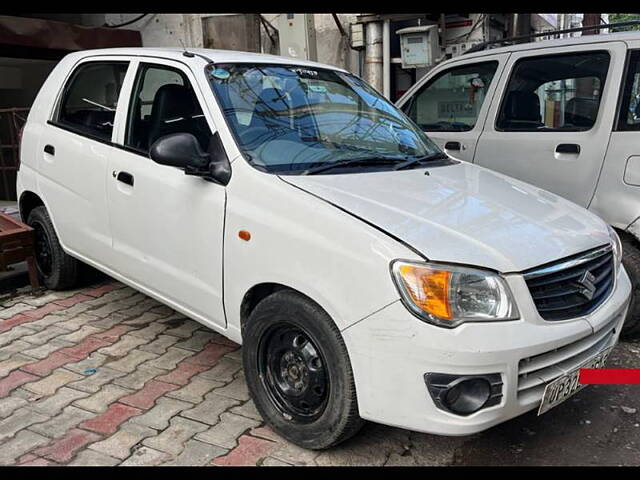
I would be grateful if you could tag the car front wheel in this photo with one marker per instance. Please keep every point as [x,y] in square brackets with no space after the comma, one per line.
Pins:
[298,372]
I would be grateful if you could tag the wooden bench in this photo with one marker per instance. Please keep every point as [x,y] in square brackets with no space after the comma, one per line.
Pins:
[17,244]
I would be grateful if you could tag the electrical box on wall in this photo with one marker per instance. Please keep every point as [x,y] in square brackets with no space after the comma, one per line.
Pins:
[297,34]
[357,35]
[419,46]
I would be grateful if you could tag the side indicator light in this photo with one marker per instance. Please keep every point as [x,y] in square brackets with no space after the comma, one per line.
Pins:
[244,235]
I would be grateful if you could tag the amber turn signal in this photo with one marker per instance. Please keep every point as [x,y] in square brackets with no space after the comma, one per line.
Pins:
[244,235]
[429,289]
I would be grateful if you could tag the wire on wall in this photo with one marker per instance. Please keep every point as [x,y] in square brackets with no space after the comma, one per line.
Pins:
[134,20]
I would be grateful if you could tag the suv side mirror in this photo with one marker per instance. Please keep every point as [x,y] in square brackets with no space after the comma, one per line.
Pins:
[182,150]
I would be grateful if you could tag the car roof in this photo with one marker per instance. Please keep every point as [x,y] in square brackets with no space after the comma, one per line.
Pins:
[560,42]
[216,56]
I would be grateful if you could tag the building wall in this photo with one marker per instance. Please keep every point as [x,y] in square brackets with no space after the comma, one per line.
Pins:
[333,48]
[175,30]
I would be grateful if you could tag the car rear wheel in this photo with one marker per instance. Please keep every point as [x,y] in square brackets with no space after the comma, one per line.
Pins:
[298,372]
[56,269]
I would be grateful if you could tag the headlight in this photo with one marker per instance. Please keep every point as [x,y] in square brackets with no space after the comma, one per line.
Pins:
[448,295]
[616,244]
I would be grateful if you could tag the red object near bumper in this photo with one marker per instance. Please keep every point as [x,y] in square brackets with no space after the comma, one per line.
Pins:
[610,376]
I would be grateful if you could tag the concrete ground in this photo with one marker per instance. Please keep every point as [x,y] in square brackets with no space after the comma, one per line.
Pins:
[104,375]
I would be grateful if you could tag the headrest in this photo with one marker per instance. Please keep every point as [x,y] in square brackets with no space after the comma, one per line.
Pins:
[173,101]
[524,106]
[581,112]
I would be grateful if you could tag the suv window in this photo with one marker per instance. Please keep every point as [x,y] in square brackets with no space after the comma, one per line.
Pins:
[451,101]
[90,98]
[630,106]
[554,92]
[163,102]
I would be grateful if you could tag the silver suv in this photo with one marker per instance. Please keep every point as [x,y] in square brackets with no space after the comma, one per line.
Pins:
[563,115]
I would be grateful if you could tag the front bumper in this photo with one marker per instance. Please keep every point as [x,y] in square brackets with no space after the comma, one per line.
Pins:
[391,350]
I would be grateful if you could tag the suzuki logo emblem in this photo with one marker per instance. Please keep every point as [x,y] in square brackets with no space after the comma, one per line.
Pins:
[587,287]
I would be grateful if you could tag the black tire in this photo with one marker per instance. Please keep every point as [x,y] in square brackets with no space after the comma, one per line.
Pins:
[335,418]
[631,262]
[56,269]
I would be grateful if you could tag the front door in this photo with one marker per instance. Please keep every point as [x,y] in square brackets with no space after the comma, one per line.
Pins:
[551,125]
[167,227]
[450,104]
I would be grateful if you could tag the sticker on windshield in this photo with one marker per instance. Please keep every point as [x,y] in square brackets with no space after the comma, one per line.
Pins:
[318,88]
[221,73]
[304,72]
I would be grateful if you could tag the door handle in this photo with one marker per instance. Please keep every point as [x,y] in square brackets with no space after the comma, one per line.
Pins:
[568,148]
[50,149]
[452,146]
[125,177]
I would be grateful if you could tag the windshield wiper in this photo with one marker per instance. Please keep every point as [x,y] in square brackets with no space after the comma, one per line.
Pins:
[352,162]
[421,160]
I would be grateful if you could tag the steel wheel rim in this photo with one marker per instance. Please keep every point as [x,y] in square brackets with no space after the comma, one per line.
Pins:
[293,372]
[42,250]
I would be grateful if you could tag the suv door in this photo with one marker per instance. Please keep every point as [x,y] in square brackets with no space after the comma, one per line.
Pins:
[75,148]
[616,197]
[167,227]
[450,104]
[550,126]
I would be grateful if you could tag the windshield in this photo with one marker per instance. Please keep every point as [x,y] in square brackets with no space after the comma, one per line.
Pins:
[288,119]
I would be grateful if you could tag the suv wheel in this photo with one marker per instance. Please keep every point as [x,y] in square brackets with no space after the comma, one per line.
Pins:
[56,269]
[631,262]
[298,372]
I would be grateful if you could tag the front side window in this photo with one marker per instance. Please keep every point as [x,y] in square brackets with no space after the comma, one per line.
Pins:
[288,118]
[451,101]
[163,102]
[90,98]
[630,101]
[554,93]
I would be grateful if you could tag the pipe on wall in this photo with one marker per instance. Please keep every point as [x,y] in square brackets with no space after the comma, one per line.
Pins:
[386,59]
[373,55]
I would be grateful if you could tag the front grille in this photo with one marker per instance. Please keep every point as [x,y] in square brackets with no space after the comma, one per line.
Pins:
[535,372]
[573,286]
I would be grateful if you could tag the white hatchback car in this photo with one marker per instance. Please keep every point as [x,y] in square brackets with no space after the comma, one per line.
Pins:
[289,206]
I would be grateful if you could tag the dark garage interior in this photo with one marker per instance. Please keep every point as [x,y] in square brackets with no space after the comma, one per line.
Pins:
[29,49]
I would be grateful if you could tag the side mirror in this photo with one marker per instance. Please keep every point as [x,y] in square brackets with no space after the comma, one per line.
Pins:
[182,150]
[178,150]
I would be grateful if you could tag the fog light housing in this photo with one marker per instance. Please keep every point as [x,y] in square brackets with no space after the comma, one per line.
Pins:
[464,394]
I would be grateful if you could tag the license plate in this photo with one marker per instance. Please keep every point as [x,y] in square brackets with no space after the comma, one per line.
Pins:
[564,387]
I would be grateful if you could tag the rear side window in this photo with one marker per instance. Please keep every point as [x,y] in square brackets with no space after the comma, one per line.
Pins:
[554,93]
[90,98]
[630,98]
[451,101]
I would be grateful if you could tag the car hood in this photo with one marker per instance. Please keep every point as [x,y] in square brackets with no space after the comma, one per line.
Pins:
[465,214]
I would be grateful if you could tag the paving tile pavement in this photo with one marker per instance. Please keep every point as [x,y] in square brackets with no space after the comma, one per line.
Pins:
[104,375]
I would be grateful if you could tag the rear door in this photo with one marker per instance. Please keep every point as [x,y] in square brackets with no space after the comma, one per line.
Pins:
[450,104]
[75,148]
[617,197]
[550,126]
